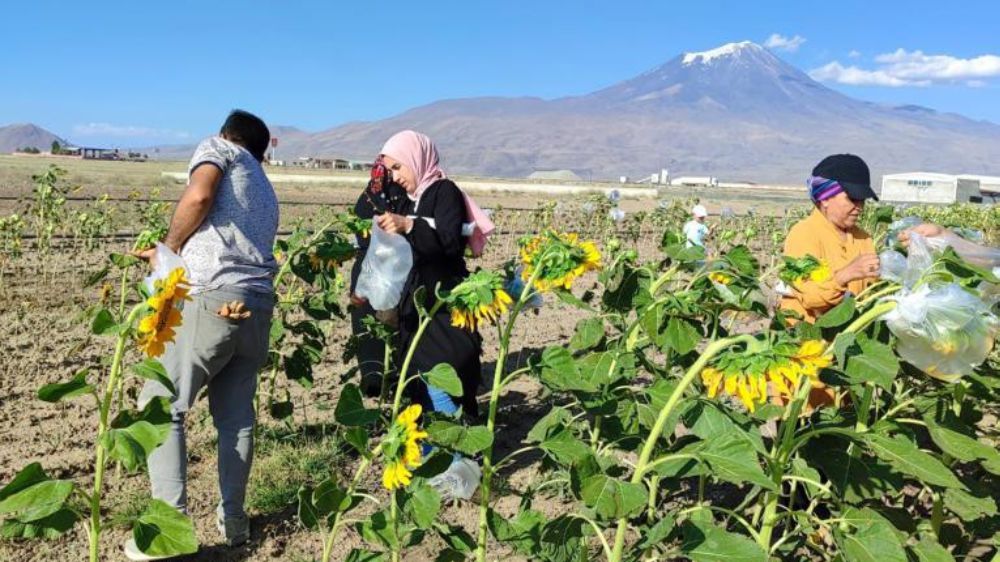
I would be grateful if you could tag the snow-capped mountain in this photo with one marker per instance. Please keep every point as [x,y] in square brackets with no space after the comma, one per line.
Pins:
[736,111]
[734,78]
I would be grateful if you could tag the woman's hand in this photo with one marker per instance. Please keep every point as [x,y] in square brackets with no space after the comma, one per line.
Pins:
[927,230]
[865,266]
[394,224]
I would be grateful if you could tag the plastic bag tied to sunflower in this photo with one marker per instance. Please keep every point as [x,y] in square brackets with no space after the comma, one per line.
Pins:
[945,331]
[940,328]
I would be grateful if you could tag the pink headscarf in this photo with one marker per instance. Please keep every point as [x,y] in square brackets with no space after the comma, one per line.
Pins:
[417,152]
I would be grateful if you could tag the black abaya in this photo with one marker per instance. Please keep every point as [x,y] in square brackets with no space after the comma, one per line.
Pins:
[438,264]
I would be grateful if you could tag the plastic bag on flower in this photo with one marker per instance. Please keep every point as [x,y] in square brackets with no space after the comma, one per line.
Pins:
[970,251]
[897,227]
[908,269]
[945,332]
[384,270]
[892,266]
[166,261]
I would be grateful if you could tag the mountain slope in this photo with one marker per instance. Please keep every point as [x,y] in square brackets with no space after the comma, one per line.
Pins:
[735,112]
[22,135]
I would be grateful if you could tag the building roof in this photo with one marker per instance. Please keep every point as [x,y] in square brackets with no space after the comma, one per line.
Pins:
[920,175]
[982,179]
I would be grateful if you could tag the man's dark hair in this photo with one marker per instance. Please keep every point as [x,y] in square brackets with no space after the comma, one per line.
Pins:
[247,130]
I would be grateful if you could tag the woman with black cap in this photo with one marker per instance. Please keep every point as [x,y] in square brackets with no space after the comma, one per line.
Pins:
[839,186]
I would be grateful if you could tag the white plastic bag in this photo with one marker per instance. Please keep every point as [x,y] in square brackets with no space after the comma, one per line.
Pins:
[166,261]
[892,266]
[897,228]
[907,270]
[945,332]
[384,270]
[970,251]
[459,481]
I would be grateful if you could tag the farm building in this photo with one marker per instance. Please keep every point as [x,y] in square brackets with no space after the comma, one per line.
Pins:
[694,181]
[92,153]
[986,183]
[927,187]
[316,163]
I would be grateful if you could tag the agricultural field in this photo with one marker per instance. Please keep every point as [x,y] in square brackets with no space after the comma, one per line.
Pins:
[653,407]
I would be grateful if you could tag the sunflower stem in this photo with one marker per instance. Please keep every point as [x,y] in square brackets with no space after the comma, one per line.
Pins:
[405,368]
[498,383]
[100,462]
[642,466]
[366,460]
[123,290]
[397,398]
[779,461]
[393,522]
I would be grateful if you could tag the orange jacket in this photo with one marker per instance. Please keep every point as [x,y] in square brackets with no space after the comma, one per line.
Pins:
[817,236]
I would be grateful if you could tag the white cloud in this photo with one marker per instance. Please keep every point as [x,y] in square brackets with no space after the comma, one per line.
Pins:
[126,131]
[913,68]
[854,53]
[917,65]
[854,76]
[782,43]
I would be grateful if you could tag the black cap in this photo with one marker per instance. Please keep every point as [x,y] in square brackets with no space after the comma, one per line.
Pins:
[851,173]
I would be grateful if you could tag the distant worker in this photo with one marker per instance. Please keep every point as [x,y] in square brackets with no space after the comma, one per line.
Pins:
[839,186]
[695,230]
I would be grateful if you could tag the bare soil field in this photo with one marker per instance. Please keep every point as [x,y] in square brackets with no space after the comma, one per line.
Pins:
[46,341]
[120,180]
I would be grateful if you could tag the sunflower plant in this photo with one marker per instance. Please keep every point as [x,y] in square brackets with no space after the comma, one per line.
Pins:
[309,285]
[38,506]
[623,448]
[393,436]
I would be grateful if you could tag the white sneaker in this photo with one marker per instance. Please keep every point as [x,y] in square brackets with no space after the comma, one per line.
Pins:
[234,531]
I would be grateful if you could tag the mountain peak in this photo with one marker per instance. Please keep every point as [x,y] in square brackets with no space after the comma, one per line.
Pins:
[22,135]
[728,49]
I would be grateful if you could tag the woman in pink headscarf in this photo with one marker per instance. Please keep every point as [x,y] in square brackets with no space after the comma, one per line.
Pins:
[432,219]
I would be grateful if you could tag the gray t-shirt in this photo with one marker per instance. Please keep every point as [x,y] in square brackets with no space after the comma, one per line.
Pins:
[234,245]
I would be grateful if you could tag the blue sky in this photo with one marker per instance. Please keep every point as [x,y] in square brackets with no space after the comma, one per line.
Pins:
[139,73]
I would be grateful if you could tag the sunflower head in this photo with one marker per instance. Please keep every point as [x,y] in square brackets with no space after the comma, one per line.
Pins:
[156,329]
[480,298]
[556,259]
[772,370]
[808,267]
[720,277]
[821,273]
[402,448]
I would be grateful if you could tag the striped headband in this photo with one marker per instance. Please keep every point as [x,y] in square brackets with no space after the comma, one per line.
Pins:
[821,188]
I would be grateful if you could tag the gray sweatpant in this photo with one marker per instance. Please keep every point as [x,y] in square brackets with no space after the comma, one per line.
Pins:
[224,355]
